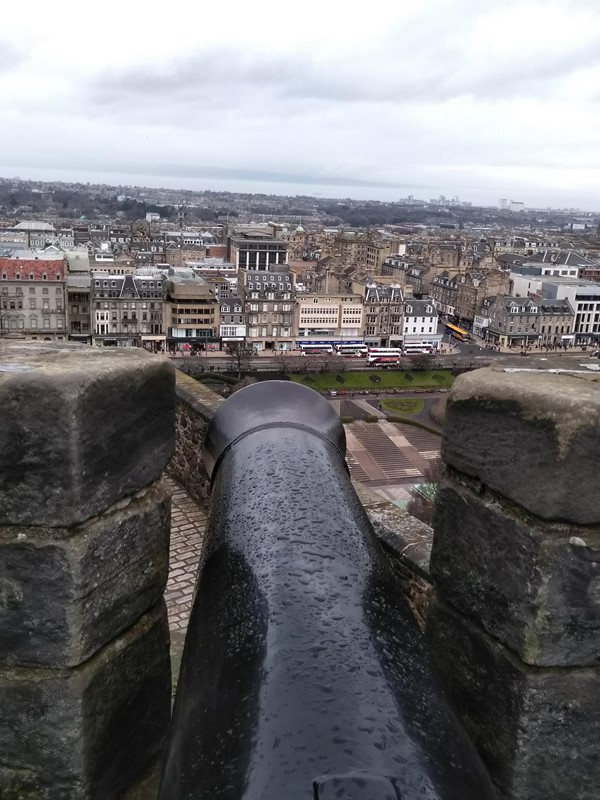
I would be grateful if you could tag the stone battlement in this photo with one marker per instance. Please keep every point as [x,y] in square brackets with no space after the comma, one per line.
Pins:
[507,592]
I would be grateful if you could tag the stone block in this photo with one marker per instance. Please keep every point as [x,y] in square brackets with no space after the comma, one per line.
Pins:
[81,429]
[65,593]
[532,437]
[536,729]
[89,733]
[534,586]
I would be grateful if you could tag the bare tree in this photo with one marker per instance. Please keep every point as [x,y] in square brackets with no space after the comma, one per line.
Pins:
[422,501]
[238,357]
[422,361]
[286,362]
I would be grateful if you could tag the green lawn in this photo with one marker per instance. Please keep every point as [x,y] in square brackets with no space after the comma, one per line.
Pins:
[406,405]
[380,379]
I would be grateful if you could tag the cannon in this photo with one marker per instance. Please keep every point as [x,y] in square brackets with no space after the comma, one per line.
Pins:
[304,675]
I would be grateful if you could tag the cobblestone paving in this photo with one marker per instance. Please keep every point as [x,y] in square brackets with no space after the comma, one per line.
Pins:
[188,523]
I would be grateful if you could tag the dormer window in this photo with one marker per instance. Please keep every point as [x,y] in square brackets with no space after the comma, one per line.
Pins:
[18,276]
[409,309]
[31,277]
[4,276]
[97,284]
[57,276]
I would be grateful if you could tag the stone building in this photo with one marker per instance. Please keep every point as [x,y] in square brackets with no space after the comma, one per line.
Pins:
[78,307]
[459,298]
[409,273]
[33,299]
[333,319]
[383,314]
[473,287]
[421,324]
[191,311]
[256,251]
[268,296]
[523,321]
[233,326]
[444,293]
[128,310]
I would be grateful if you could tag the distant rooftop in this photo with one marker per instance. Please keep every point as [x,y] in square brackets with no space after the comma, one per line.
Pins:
[34,225]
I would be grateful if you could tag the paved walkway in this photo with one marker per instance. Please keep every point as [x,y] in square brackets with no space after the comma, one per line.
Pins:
[390,457]
[188,523]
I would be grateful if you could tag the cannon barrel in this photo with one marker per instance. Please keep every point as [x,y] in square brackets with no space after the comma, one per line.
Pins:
[304,675]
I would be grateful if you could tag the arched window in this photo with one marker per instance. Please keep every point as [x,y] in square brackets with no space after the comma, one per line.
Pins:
[18,276]
[45,276]
[58,277]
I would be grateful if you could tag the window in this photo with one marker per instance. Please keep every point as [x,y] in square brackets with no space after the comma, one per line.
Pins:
[58,276]
[31,290]
[45,276]
[31,276]
[18,276]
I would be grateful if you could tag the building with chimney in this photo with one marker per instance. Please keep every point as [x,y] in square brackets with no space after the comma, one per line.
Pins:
[128,310]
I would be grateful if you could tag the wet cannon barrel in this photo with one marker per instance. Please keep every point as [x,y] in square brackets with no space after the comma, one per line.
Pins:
[304,675]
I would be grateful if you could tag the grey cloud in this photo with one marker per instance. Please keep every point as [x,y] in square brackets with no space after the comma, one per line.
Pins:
[418,68]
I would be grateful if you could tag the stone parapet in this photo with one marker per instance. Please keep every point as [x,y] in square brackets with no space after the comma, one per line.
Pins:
[81,429]
[92,731]
[534,437]
[537,729]
[515,625]
[195,407]
[69,591]
[84,545]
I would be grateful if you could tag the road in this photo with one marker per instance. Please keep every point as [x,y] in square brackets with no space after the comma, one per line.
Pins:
[467,355]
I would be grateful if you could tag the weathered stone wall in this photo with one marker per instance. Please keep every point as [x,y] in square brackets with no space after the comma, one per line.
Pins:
[84,547]
[515,625]
[195,406]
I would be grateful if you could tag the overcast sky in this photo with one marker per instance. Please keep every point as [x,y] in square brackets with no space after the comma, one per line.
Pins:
[478,98]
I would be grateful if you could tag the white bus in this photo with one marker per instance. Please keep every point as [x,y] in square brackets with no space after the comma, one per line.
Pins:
[351,350]
[308,349]
[413,349]
[384,355]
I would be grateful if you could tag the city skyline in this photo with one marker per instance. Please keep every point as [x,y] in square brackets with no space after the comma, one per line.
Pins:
[481,100]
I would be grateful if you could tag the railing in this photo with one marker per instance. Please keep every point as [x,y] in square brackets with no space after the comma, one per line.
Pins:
[304,676]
